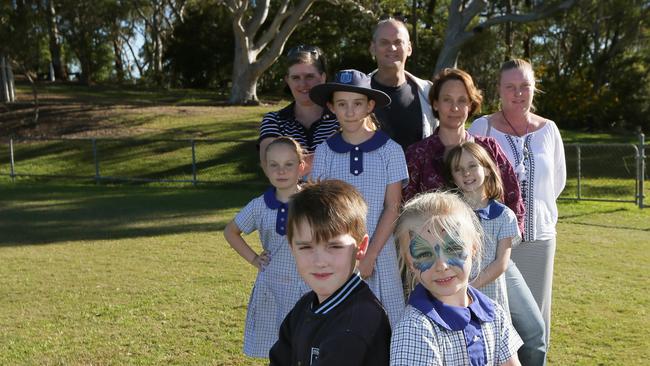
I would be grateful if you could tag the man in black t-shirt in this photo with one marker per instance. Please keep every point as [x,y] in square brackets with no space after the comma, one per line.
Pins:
[409,118]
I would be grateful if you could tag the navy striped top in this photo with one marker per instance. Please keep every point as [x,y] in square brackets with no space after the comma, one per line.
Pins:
[283,123]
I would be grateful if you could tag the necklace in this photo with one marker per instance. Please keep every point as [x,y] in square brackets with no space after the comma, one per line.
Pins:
[513,127]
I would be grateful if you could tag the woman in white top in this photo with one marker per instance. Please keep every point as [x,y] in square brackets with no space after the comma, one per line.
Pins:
[534,147]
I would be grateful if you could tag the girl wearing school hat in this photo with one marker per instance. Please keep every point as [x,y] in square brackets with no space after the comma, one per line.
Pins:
[369,160]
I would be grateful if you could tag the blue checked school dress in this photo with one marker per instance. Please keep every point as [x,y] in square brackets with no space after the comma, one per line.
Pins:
[432,333]
[278,287]
[370,167]
[498,222]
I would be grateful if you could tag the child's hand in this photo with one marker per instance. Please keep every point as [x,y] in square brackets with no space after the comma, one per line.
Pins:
[366,267]
[261,260]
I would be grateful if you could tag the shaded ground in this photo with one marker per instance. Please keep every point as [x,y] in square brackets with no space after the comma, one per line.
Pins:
[70,110]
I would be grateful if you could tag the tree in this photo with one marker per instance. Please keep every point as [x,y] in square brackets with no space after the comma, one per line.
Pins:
[259,40]
[86,26]
[159,18]
[460,28]
[60,70]
[199,52]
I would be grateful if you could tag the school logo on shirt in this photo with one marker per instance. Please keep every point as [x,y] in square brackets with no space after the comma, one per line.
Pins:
[314,356]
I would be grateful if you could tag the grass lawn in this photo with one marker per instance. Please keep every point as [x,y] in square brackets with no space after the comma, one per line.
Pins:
[142,275]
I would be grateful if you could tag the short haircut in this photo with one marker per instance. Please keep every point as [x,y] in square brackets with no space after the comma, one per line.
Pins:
[287,141]
[439,212]
[493,185]
[331,208]
[397,22]
[446,74]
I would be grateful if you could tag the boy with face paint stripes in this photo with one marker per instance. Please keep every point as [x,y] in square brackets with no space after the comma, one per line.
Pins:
[447,322]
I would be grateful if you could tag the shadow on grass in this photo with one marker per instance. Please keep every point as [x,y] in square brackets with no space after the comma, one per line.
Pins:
[607,226]
[592,213]
[51,214]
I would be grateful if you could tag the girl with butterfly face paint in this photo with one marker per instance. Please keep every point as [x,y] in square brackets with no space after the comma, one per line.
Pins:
[447,321]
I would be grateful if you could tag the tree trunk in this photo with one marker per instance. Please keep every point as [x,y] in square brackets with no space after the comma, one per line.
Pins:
[244,78]
[119,64]
[244,90]
[55,47]
[7,93]
[255,52]
[448,56]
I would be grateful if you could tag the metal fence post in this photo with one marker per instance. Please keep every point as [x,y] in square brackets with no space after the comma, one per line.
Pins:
[193,162]
[11,156]
[641,168]
[96,160]
[578,158]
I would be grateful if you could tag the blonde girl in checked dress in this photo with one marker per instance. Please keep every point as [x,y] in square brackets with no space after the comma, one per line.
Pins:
[447,322]
[277,286]
[375,165]
[474,173]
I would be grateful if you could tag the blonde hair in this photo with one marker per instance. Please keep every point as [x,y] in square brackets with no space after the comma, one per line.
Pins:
[493,185]
[331,208]
[286,141]
[442,213]
[523,65]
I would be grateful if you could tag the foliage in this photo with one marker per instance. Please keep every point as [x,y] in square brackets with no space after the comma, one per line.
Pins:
[595,66]
[86,26]
[199,53]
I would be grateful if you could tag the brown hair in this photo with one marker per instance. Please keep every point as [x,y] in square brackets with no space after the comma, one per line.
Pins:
[287,141]
[493,185]
[331,208]
[310,55]
[475,96]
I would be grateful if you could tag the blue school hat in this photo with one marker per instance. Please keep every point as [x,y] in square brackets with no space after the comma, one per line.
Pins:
[351,81]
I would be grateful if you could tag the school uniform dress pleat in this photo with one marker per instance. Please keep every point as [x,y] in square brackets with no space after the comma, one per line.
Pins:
[279,286]
[370,166]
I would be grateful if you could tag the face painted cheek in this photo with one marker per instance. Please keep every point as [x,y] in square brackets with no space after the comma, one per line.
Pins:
[457,261]
[455,252]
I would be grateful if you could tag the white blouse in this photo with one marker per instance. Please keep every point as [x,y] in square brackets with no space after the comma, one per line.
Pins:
[538,160]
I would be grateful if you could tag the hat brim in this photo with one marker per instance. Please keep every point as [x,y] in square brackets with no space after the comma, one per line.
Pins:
[322,93]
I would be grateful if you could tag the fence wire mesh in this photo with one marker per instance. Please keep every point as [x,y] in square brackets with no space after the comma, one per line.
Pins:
[594,171]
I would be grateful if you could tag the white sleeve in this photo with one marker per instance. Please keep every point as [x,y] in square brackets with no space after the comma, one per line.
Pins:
[559,178]
[479,126]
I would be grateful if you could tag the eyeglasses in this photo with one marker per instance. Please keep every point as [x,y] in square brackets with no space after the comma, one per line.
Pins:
[301,48]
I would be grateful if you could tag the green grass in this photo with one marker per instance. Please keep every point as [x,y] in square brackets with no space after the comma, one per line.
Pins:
[142,275]
[120,275]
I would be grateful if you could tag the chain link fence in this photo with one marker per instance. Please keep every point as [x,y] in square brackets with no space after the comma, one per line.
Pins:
[166,161]
[600,172]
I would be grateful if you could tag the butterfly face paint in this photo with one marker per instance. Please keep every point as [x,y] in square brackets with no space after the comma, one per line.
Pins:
[425,254]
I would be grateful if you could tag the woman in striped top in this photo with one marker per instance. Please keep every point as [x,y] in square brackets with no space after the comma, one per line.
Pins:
[303,120]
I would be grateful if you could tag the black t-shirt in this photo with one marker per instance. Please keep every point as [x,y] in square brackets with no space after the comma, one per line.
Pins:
[402,119]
